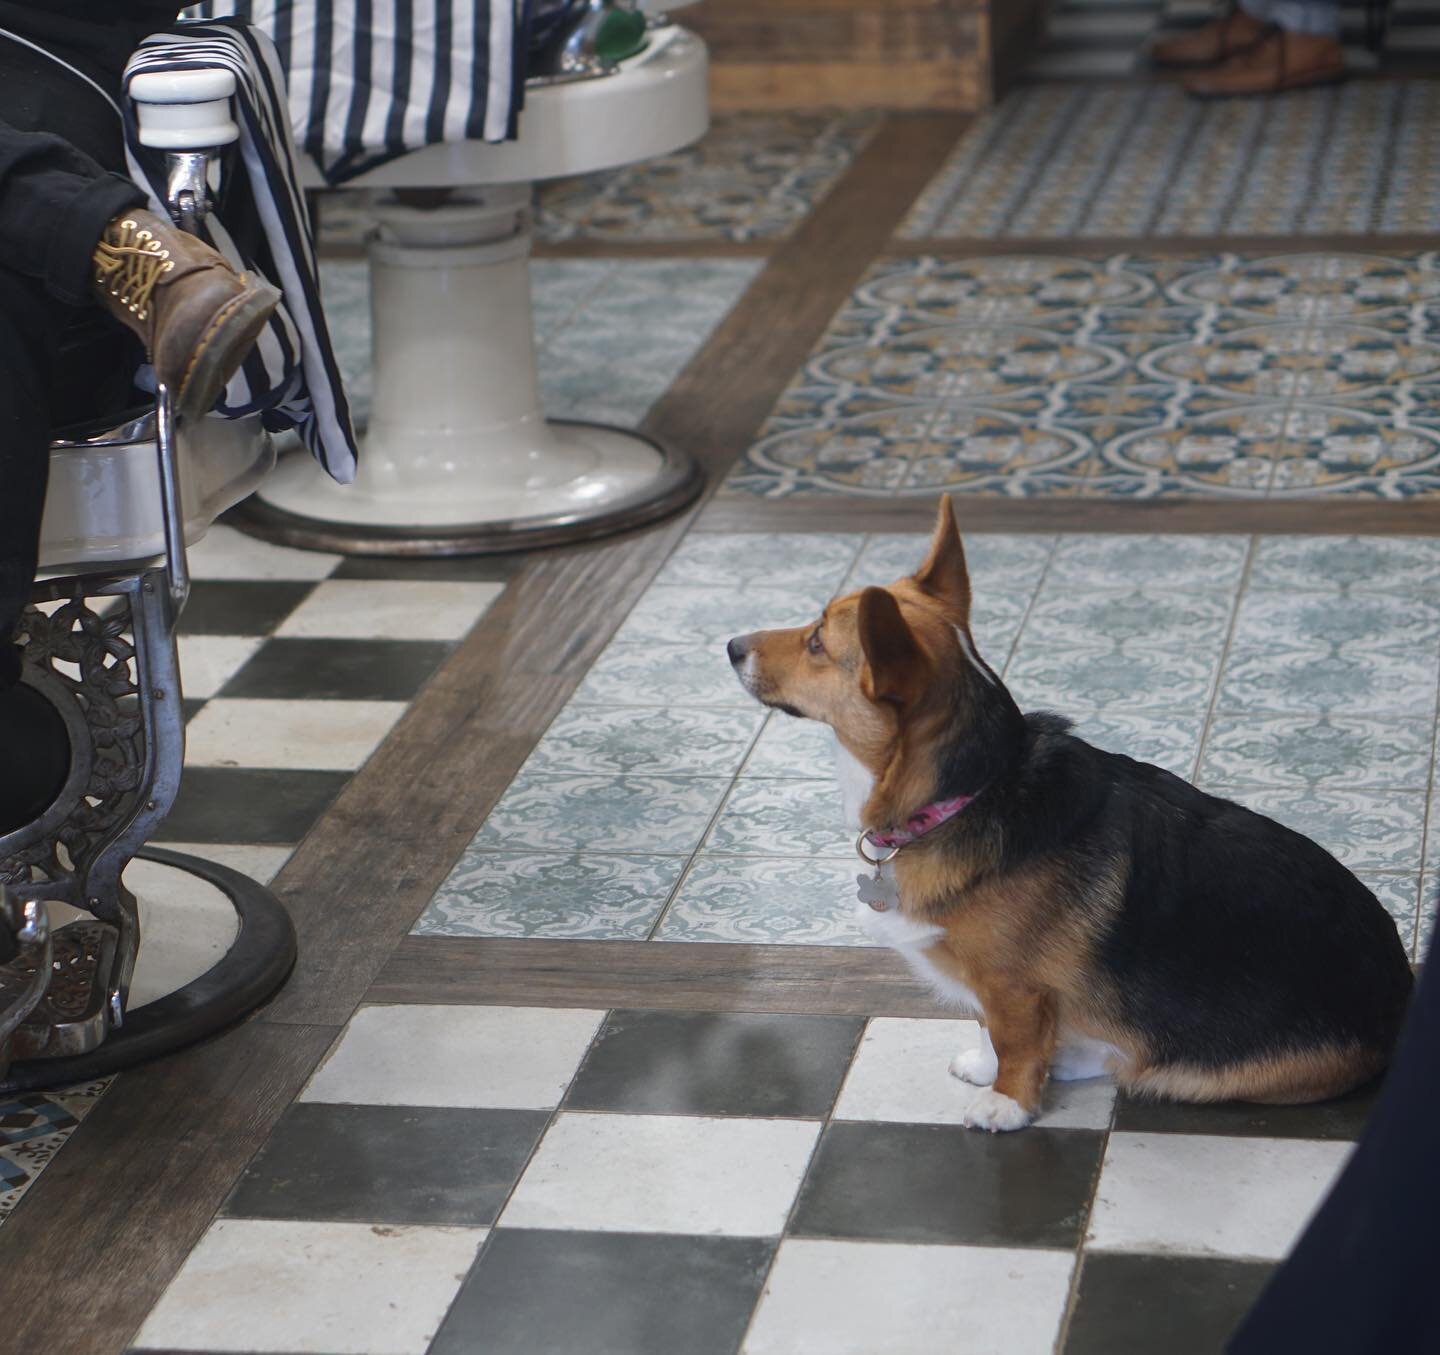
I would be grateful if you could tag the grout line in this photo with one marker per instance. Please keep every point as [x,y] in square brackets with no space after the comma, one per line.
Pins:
[1251,549]
[1414,946]
[684,876]
[1030,606]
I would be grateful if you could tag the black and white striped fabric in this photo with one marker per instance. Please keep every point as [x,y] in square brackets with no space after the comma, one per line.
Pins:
[371,80]
[259,222]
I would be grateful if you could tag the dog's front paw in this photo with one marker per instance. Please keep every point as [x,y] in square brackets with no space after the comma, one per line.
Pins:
[996,1112]
[976,1066]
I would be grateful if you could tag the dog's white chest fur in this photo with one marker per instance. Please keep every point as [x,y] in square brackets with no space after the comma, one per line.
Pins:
[892,928]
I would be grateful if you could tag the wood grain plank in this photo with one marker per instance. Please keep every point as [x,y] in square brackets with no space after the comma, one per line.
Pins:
[679,975]
[1151,246]
[603,248]
[94,1242]
[357,883]
[1321,517]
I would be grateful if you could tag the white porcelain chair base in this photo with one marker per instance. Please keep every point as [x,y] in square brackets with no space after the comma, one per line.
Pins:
[458,457]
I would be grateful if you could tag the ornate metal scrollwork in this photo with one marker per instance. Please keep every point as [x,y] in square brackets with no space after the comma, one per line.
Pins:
[105,659]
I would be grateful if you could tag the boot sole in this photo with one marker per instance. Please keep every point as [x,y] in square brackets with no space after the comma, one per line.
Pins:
[231,336]
[1288,86]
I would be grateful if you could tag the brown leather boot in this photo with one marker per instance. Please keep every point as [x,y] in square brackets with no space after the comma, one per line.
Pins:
[1212,42]
[197,316]
[1282,61]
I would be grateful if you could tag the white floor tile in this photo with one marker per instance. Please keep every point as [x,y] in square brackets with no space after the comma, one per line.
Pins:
[186,926]
[390,609]
[261,864]
[505,1057]
[290,735]
[1208,1195]
[902,1072]
[341,1288]
[874,1298]
[664,1174]
[228,554]
[208,662]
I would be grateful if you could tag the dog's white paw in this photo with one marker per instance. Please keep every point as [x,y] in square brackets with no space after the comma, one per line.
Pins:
[976,1066]
[1075,1062]
[996,1112]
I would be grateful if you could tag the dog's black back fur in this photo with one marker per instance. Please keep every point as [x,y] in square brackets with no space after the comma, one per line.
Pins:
[1236,936]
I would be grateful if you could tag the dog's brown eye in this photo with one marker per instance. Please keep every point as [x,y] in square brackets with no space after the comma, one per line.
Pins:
[814,644]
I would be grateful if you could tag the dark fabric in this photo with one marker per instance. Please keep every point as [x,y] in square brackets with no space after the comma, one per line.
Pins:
[95,35]
[56,195]
[1361,1279]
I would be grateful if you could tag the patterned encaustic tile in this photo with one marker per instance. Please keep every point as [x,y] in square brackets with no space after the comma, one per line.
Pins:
[33,1128]
[1297,675]
[1076,161]
[753,176]
[1289,376]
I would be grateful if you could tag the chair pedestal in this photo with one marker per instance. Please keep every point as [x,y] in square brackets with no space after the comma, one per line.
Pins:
[105,979]
[458,458]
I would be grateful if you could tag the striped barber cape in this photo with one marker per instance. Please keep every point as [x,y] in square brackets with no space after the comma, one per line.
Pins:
[259,222]
[371,80]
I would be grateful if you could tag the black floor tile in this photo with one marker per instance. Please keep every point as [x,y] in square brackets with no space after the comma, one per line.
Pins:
[247,804]
[1342,1118]
[388,1164]
[457,569]
[947,1184]
[240,607]
[575,1293]
[713,1063]
[339,670]
[1182,1305]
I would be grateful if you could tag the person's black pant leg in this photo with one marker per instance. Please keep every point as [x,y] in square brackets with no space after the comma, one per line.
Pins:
[30,325]
[1361,1279]
[55,202]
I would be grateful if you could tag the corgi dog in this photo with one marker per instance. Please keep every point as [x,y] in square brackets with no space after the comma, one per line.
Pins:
[1099,915]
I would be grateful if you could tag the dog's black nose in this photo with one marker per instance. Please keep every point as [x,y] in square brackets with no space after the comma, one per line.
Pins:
[737,650]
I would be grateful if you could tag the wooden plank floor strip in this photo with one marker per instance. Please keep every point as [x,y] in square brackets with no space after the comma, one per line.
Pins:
[674,975]
[656,249]
[95,1241]
[1169,247]
[1340,515]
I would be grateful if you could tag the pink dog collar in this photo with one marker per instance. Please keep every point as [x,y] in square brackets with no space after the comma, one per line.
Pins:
[922,821]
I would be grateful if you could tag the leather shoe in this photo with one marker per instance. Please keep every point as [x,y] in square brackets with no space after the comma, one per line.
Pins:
[1211,43]
[197,316]
[1280,62]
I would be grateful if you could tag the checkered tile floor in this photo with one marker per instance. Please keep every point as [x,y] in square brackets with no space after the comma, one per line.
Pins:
[460,1179]
[295,666]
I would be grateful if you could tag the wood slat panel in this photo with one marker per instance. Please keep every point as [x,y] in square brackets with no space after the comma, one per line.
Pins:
[94,1242]
[1164,247]
[1340,515]
[686,976]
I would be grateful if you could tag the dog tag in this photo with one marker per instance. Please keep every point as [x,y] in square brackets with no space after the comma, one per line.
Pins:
[878,891]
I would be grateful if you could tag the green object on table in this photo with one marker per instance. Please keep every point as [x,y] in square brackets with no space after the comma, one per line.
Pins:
[621,34]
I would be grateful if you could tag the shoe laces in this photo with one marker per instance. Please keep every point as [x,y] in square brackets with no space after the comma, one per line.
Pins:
[129,262]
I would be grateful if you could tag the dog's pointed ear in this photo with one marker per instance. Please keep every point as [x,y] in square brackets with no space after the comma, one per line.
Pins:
[944,575]
[895,663]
